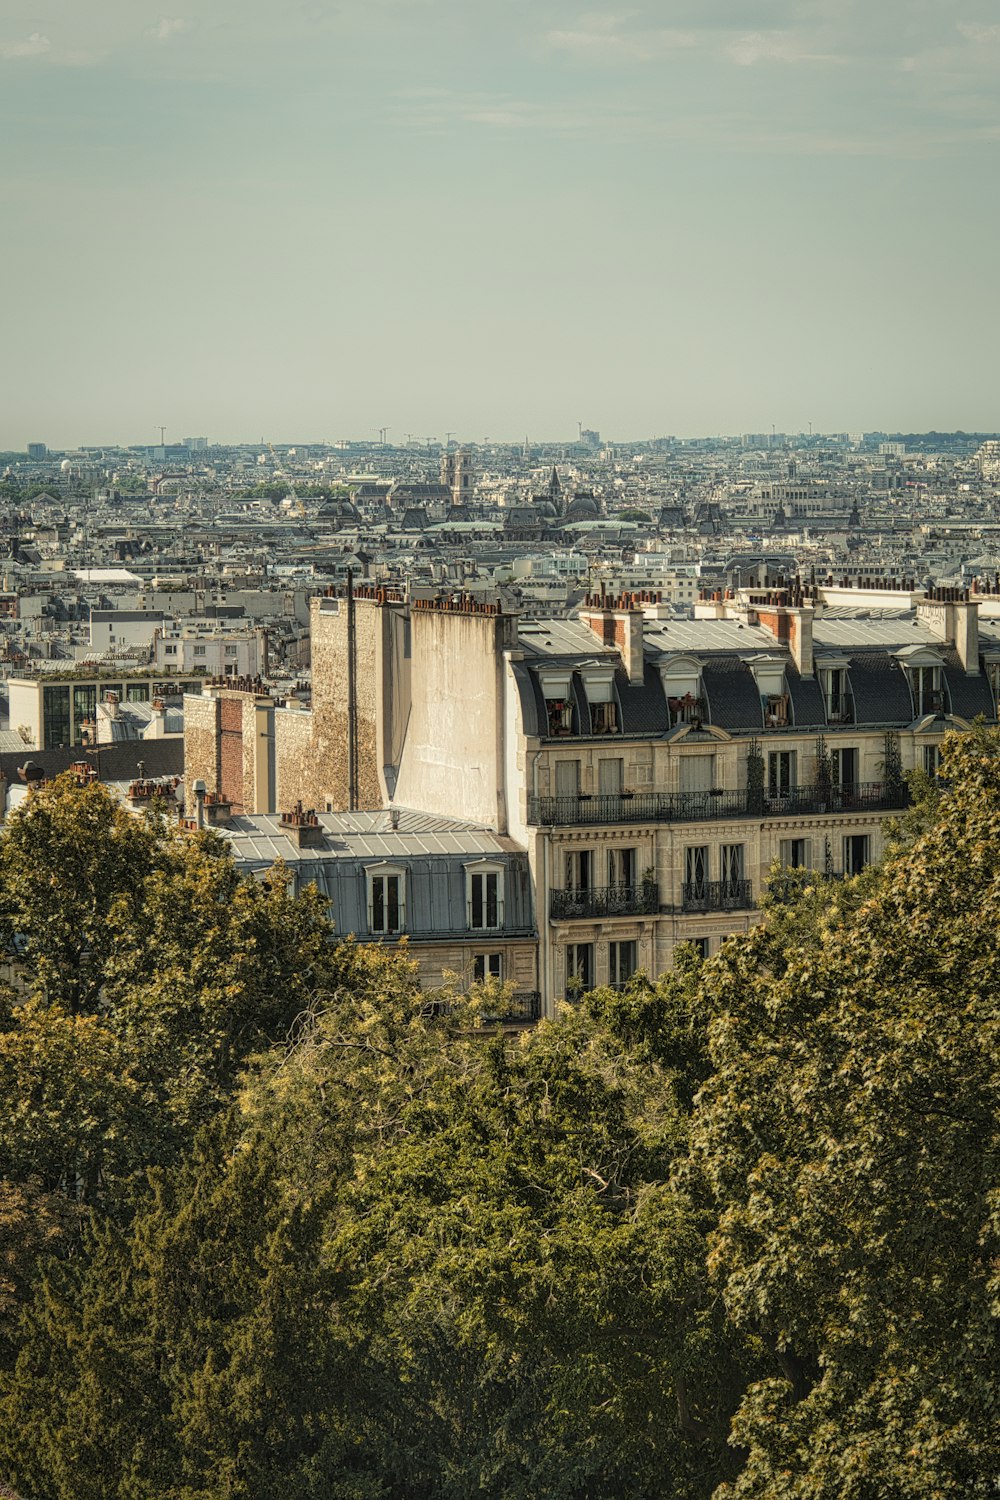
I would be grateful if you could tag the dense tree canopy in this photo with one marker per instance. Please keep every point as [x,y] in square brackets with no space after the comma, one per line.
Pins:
[271,1228]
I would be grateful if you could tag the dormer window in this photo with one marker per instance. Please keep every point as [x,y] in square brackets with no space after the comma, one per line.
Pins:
[559,712]
[775,706]
[837,698]
[604,718]
[681,678]
[599,686]
[993,673]
[925,685]
[769,675]
[386,899]
[484,896]
[557,690]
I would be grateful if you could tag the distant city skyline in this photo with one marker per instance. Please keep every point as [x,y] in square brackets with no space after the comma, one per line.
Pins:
[537,440]
[675,218]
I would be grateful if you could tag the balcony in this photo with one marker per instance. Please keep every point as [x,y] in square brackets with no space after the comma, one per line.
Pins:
[695,807]
[605,901]
[519,1006]
[516,1007]
[717,895]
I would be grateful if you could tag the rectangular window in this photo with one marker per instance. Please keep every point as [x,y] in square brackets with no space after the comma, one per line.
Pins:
[84,707]
[386,896]
[55,717]
[702,945]
[696,870]
[579,969]
[621,963]
[697,773]
[856,853]
[567,778]
[795,853]
[837,694]
[610,776]
[559,712]
[603,718]
[484,899]
[621,867]
[579,870]
[845,768]
[487,966]
[775,710]
[199,651]
[230,650]
[780,772]
[731,856]
[170,650]
[925,686]
[932,759]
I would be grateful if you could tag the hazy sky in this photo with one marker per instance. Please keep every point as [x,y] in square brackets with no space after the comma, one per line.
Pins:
[499,217]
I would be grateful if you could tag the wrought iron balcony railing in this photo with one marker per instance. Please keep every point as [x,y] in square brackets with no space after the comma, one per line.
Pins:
[605,901]
[513,1006]
[520,1005]
[717,895]
[691,807]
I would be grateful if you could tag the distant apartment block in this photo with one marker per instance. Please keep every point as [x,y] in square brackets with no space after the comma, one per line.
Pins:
[229,653]
[49,710]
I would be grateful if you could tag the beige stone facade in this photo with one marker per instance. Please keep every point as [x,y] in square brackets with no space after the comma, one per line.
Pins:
[654,769]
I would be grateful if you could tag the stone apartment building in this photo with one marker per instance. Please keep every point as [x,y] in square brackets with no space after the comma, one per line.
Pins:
[460,895]
[652,769]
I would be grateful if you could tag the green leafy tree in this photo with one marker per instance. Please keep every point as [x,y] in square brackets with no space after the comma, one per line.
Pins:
[848,1132]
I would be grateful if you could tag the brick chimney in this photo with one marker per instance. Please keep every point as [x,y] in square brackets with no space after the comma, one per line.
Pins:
[793,627]
[953,617]
[618,623]
[303,827]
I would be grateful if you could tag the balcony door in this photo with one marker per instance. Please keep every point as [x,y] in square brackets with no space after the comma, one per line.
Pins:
[610,776]
[621,867]
[731,859]
[696,871]
[780,772]
[579,870]
[579,969]
[567,778]
[845,769]
[856,853]
[697,773]
[621,963]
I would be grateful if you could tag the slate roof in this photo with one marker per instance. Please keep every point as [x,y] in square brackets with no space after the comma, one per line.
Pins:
[530,694]
[731,693]
[643,706]
[881,692]
[808,710]
[969,695]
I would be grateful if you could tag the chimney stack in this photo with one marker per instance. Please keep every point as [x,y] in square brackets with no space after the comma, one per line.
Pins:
[618,623]
[953,617]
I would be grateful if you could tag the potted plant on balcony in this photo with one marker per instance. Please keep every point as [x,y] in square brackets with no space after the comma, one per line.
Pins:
[755,779]
[822,787]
